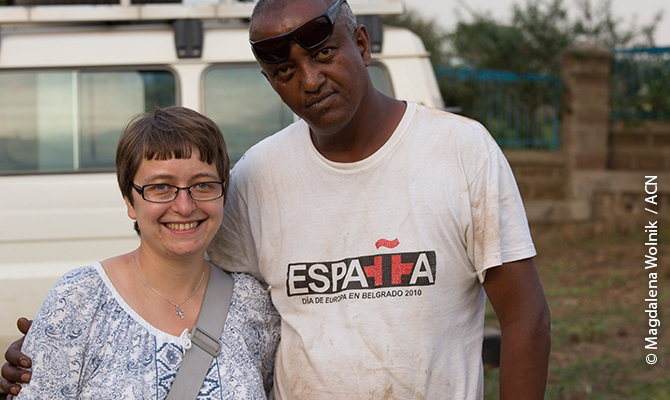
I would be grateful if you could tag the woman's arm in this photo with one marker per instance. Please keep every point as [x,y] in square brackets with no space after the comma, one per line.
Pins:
[56,342]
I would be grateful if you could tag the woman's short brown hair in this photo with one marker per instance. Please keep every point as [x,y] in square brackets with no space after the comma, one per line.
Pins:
[167,133]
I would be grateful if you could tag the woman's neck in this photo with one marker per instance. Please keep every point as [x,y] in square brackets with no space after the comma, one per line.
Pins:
[173,276]
[167,293]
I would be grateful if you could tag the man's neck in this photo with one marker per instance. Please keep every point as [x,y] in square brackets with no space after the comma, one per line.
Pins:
[367,132]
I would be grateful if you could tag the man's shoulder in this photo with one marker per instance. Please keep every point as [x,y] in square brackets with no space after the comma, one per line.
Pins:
[274,144]
[449,129]
[272,149]
[431,115]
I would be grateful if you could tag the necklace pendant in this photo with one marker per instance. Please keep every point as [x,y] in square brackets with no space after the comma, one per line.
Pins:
[179,312]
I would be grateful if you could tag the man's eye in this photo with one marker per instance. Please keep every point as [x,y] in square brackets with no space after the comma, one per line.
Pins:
[324,53]
[283,71]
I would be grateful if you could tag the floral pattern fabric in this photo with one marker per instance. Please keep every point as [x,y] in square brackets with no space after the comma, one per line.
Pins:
[87,343]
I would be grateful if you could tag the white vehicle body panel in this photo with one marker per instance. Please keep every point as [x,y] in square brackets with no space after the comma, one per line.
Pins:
[53,222]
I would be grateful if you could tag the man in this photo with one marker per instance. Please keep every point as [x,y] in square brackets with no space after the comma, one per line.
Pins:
[378,224]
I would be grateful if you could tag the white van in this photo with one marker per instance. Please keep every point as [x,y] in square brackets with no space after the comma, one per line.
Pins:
[71,76]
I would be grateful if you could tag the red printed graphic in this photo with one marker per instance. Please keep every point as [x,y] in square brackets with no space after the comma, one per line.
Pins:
[398,269]
[387,243]
[375,271]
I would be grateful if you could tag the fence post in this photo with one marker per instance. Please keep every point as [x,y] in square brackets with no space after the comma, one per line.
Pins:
[586,72]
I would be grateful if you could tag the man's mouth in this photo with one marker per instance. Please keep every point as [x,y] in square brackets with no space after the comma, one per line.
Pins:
[319,100]
[182,227]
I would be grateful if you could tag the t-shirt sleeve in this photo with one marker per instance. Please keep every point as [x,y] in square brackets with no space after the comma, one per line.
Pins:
[500,232]
[233,248]
[56,342]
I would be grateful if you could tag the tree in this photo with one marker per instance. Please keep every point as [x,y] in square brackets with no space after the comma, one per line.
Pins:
[540,31]
[599,25]
[434,38]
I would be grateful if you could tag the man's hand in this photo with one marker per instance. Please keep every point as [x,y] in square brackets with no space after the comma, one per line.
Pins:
[11,372]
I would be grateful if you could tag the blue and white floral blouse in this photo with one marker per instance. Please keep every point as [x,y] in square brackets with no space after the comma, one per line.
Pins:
[87,343]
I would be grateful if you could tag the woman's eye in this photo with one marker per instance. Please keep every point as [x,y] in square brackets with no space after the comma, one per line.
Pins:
[161,187]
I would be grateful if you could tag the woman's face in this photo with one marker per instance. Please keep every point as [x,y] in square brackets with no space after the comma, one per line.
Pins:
[182,227]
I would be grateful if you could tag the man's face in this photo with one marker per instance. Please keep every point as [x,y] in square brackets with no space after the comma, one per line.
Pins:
[324,85]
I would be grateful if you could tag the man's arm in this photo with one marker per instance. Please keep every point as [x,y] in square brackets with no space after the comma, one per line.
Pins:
[516,294]
[10,371]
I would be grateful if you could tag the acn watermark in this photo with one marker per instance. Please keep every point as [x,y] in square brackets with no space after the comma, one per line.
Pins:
[650,265]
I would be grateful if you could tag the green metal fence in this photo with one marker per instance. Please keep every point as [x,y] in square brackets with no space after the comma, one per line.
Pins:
[520,110]
[641,83]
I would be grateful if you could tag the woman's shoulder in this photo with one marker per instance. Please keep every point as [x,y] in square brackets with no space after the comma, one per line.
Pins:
[69,306]
[248,287]
[81,279]
[252,297]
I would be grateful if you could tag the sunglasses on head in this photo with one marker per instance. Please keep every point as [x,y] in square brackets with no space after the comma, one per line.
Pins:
[308,35]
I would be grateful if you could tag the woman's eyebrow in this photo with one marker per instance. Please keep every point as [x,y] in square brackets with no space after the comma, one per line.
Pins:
[169,176]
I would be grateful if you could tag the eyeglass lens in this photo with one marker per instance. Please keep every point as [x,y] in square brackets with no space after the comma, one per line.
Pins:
[314,33]
[201,191]
[309,35]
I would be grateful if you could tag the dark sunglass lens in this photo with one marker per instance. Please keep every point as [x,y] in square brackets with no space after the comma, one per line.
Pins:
[313,33]
[272,50]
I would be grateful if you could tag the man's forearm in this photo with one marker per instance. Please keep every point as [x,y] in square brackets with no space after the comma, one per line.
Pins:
[524,359]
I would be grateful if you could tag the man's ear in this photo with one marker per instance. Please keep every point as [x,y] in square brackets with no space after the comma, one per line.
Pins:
[362,39]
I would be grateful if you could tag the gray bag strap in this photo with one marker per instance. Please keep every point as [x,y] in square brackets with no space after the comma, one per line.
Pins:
[205,337]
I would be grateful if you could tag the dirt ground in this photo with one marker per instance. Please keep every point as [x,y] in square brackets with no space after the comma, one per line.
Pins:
[596,288]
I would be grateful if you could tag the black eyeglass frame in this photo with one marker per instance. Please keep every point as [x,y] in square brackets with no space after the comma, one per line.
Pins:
[330,14]
[140,190]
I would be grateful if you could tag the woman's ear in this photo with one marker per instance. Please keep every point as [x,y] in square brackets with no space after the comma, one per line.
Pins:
[130,209]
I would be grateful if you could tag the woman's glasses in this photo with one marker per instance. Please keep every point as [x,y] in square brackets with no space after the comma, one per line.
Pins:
[308,35]
[164,193]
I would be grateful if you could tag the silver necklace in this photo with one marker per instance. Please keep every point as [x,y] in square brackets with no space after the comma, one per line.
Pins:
[179,312]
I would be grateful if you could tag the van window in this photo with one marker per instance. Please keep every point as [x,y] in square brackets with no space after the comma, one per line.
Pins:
[246,109]
[380,78]
[244,106]
[71,120]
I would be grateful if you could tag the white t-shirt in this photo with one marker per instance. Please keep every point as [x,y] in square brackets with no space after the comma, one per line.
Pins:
[87,343]
[376,266]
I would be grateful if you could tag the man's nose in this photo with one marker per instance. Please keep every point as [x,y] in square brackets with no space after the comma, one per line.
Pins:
[311,71]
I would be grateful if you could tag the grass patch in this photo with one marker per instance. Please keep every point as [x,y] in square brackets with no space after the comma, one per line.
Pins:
[596,288]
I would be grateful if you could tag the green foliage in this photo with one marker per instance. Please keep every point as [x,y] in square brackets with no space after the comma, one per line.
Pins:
[488,45]
[533,41]
[597,24]
[653,99]
[433,37]
[6,2]
[539,32]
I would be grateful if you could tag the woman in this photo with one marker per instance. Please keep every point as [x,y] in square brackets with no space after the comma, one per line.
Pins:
[120,328]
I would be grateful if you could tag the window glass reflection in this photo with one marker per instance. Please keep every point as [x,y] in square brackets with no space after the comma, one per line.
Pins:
[60,121]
